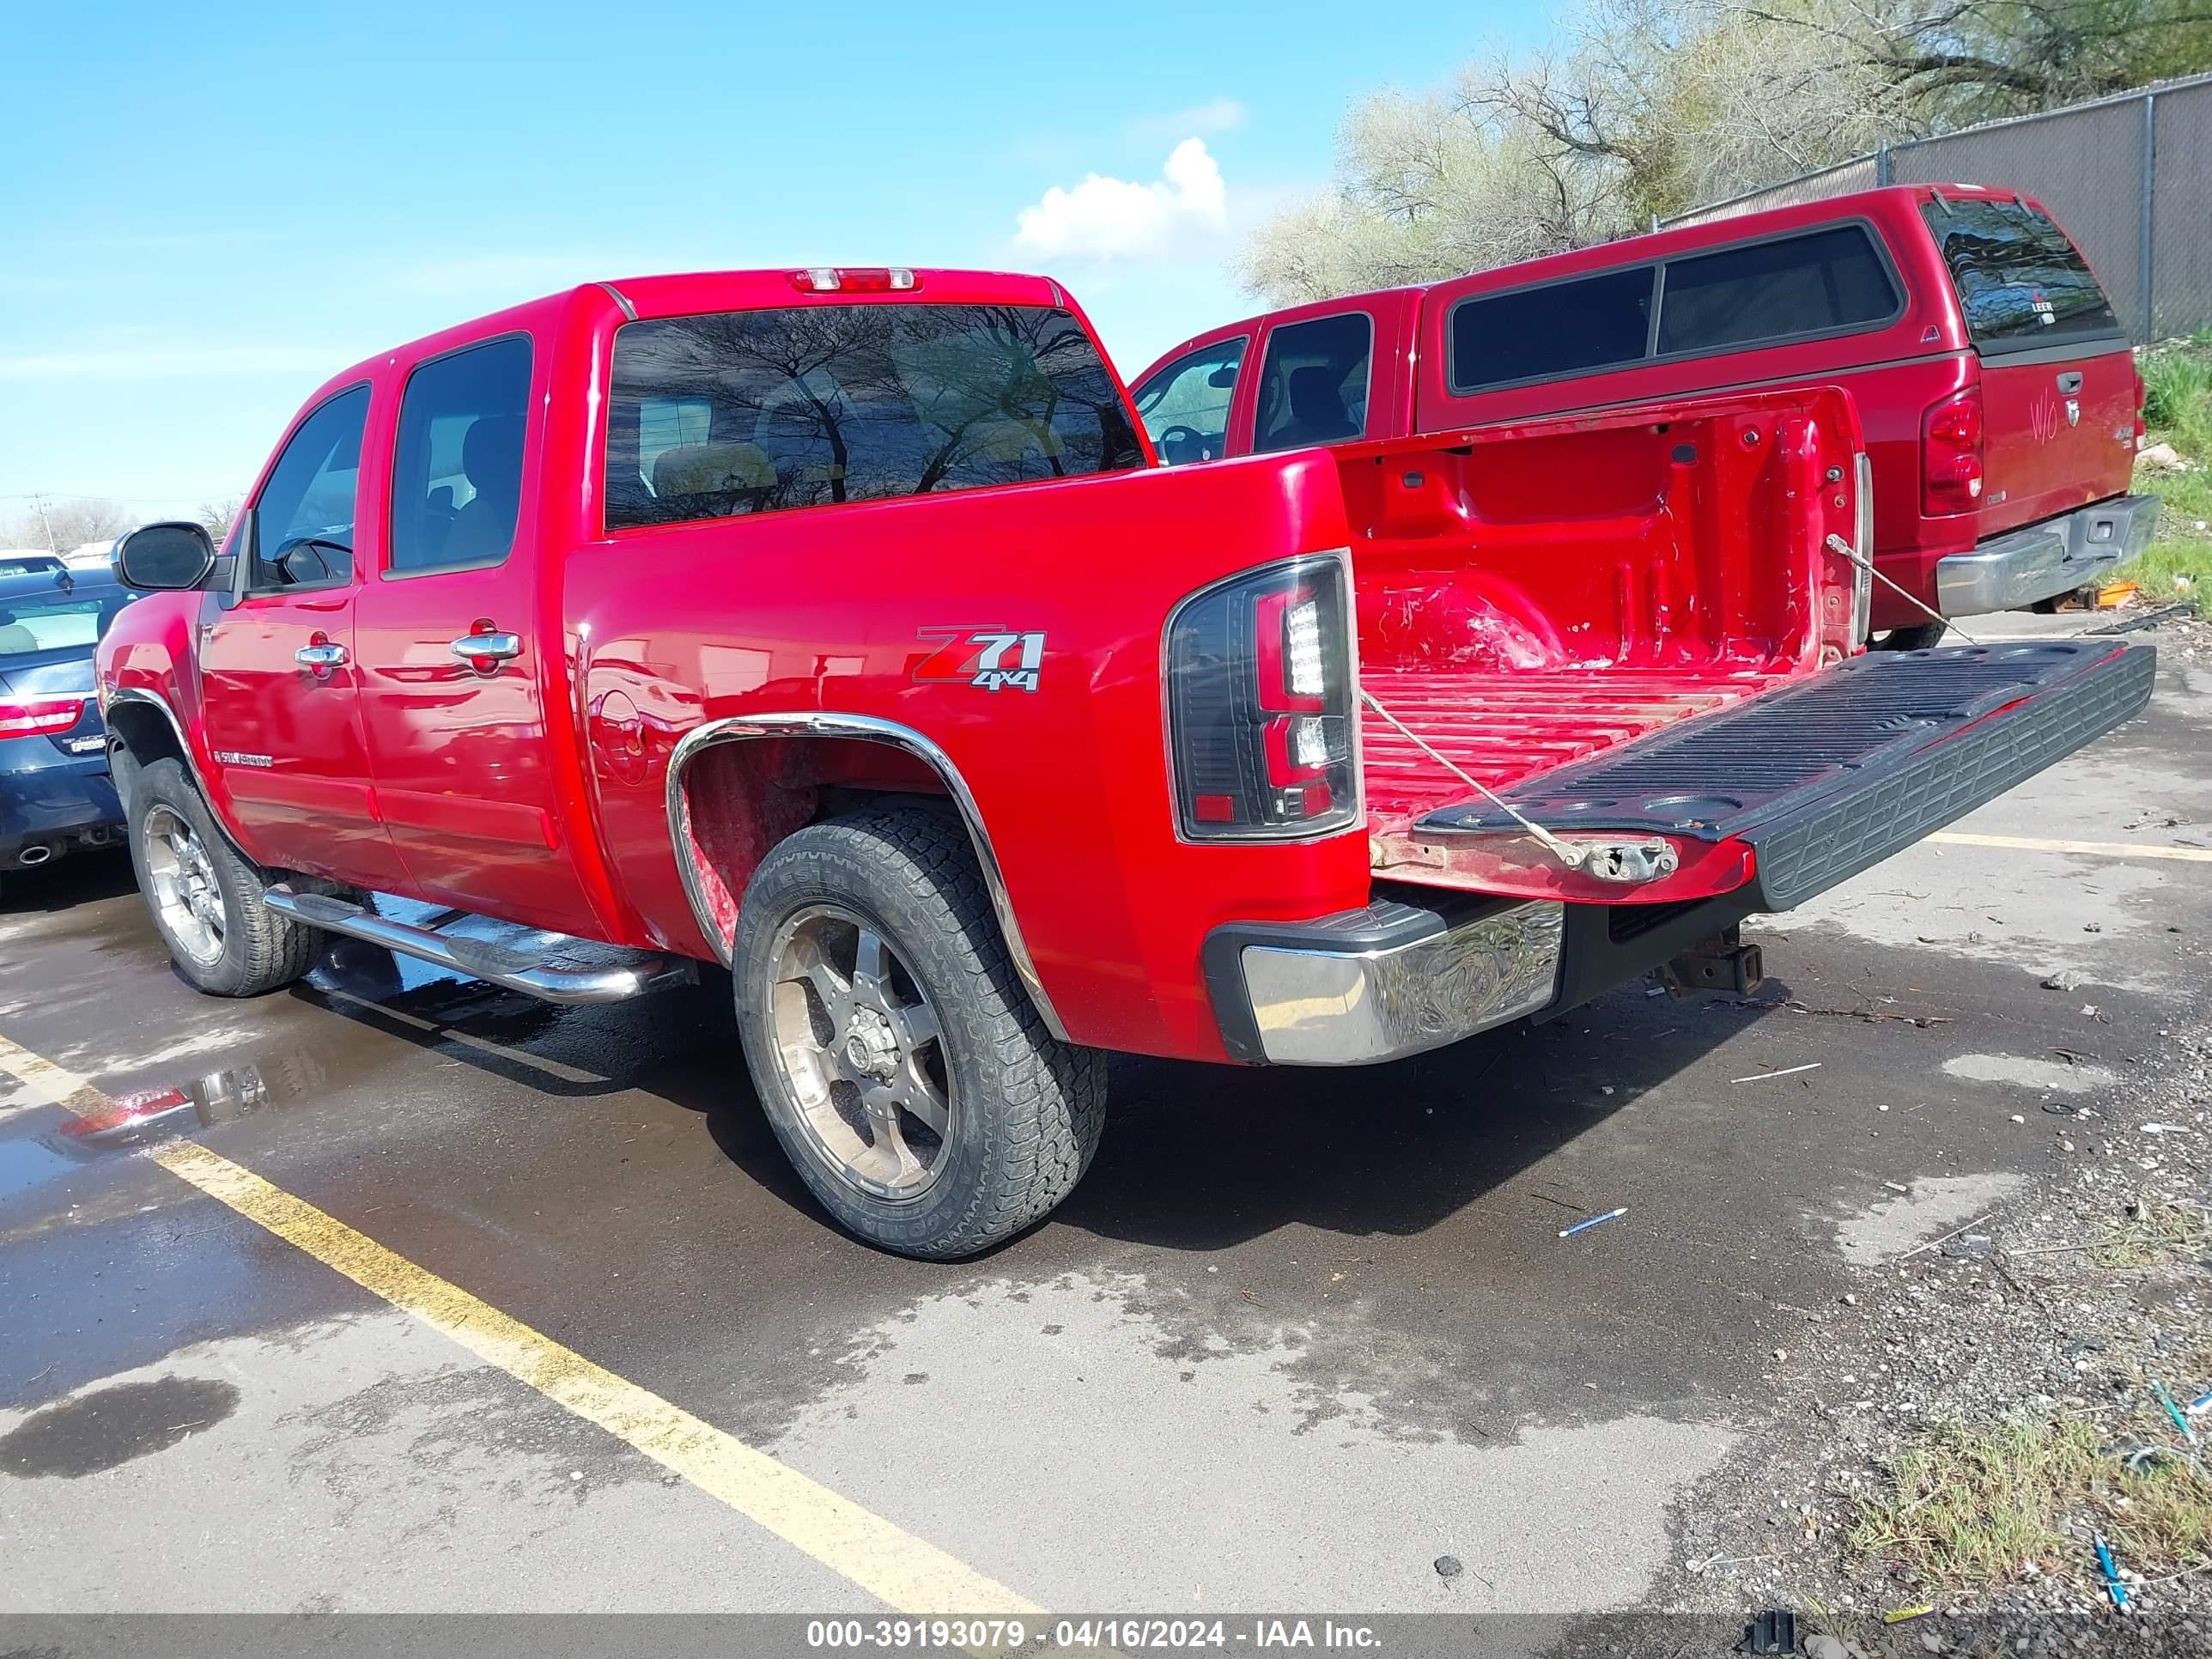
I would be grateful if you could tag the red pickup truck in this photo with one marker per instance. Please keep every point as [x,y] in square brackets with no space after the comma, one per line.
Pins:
[836,627]
[1999,397]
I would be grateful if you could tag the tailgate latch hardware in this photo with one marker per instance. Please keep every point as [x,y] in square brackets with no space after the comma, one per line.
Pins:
[1624,861]
[1628,862]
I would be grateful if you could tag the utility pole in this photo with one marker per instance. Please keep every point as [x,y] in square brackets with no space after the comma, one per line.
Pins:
[39,501]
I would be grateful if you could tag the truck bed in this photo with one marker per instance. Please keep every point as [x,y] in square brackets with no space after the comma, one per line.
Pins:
[1505,728]
[1531,597]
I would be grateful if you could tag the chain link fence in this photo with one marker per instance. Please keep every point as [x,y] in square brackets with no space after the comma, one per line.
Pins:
[2129,177]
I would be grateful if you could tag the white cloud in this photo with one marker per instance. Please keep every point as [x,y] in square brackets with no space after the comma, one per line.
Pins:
[1215,115]
[1104,218]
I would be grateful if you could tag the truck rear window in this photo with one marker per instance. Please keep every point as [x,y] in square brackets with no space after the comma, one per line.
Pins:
[754,411]
[2021,282]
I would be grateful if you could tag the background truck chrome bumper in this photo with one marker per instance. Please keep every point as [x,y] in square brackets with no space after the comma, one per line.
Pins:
[1390,980]
[2044,559]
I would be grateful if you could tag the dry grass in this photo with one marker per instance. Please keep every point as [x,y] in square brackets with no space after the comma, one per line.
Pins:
[2161,1232]
[1972,1508]
[2178,377]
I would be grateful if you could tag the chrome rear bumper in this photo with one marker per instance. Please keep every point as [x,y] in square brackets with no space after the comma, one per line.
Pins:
[2044,559]
[1374,984]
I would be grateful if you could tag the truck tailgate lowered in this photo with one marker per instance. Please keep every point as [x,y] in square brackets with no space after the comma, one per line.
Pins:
[1828,776]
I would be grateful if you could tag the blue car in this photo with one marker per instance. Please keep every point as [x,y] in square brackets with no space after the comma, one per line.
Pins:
[55,792]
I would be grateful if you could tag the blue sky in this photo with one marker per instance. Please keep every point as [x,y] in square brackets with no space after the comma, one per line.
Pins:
[209,209]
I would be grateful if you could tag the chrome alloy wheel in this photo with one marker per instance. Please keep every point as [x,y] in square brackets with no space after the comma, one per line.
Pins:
[186,895]
[859,1051]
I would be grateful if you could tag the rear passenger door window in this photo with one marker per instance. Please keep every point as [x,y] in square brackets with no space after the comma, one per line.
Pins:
[1789,287]
[1313,387]
[1555,329]
[1185,407]
[456,476]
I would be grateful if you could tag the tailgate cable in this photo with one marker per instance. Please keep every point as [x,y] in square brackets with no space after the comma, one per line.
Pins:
[1573,857]
[1838,544]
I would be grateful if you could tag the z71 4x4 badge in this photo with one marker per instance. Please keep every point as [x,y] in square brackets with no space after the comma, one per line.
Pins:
[987,657]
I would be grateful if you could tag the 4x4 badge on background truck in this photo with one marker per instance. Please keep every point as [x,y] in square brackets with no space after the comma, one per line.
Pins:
[989,658]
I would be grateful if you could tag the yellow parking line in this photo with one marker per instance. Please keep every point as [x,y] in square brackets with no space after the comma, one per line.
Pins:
[890,1563]
[2099,849]
[47,1084]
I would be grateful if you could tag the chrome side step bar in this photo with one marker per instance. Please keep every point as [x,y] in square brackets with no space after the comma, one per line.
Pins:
[552,966]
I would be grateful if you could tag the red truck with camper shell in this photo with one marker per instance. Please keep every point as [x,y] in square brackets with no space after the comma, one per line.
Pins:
[839,629]
[1998,395]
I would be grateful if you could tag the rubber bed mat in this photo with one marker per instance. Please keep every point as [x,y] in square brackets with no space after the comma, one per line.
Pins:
[1830,776]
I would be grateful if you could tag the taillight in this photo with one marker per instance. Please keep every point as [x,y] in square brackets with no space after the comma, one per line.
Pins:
[2142,396]
[1951,454]
[40,717]
[848,279]
[1259,704]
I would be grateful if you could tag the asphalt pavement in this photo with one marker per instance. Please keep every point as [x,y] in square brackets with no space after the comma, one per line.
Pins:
[1297,1337]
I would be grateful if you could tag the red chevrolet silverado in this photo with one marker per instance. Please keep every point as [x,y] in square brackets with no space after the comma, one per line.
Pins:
[837,627]
[1997,390]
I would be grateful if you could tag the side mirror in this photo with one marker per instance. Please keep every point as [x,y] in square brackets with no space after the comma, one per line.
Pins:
[313,561]
[174,557]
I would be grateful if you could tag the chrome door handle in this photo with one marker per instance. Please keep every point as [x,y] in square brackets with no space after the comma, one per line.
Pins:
[320,656]
[494,647]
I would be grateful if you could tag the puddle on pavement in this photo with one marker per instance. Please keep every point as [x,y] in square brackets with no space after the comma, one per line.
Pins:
[141,1117]
[2060,1077]
[108,1427]
[26,1161]
[363,981]
[1894,1226]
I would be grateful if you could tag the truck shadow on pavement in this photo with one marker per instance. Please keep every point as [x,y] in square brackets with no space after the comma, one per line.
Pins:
[1199,1157]
[1194,1158]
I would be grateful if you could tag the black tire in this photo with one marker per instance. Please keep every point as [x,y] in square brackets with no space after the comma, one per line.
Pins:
[1920,636]
[260,950]
[1025,1108]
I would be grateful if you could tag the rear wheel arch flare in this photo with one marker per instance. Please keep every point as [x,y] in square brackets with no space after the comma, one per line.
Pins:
[714,839]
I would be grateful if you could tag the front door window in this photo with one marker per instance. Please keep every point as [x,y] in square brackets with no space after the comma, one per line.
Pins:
[304,519]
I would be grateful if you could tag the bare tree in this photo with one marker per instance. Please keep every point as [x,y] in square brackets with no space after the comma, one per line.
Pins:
[1967,60]
[62,522]
[1640,107]
[1426,187]
[218,516]
[1681,100]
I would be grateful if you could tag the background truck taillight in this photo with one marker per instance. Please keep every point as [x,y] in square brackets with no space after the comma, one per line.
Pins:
[1951,454]
[1259,674]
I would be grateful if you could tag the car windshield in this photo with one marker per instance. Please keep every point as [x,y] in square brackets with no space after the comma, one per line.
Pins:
[39,624]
